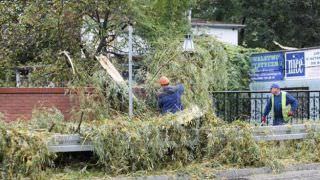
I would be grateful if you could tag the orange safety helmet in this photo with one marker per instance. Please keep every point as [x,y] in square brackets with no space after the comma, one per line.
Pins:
[164,81]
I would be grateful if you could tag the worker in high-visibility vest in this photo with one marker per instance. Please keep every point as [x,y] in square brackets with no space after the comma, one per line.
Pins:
[282,105]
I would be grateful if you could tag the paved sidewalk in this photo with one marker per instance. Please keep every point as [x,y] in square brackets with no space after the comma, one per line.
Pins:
[292,172]
[290,175]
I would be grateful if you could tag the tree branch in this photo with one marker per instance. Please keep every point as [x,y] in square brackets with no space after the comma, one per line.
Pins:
[101,44]
[97,14]
[114,53]
[106,20]
[69,60]
[113,37]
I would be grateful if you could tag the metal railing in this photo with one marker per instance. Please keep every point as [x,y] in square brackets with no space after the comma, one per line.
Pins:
[76,143]
[250,105]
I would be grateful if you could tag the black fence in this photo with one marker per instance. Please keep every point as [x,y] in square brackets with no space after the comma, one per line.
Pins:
[250,105]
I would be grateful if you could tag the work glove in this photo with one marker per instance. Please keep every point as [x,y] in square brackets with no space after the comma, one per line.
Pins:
[263,119]
[290,113]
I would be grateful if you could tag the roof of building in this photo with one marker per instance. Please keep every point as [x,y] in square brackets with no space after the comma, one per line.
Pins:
[216,24]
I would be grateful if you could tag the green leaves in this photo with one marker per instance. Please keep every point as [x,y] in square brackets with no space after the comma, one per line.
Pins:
[22,153]
[34,32]
[291,23]
[239,66]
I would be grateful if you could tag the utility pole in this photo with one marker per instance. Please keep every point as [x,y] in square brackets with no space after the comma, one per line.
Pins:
[130,73]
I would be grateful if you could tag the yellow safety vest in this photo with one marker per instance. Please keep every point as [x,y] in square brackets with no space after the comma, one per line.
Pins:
[285,108]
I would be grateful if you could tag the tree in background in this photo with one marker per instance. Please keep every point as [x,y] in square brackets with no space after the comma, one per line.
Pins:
[33,33]
[290,22]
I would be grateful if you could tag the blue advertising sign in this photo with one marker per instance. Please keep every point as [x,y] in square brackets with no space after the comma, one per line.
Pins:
[295,64]
[267,66]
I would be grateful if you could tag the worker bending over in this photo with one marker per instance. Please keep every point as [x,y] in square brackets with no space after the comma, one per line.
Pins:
[169,97]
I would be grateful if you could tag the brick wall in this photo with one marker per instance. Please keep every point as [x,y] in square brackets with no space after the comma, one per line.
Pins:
[19,102]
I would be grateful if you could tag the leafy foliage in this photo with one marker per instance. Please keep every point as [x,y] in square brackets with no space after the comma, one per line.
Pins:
[291,23]
[234,145]
[23,153]
[33,34]
[152,143]
[161,18]
[47,118]
[239,66]
[200,72]
[213,66]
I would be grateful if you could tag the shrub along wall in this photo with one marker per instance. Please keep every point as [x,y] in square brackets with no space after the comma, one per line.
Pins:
[18,103]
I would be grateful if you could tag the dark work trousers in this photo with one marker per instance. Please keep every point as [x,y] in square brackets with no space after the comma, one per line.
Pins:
[277,121]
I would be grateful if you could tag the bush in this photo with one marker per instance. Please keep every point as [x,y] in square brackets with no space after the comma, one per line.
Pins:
[23,153]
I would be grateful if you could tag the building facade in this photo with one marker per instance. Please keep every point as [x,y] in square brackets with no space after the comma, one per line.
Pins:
[224,32]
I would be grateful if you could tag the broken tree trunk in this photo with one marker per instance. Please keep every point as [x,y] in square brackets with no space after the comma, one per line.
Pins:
[111,70]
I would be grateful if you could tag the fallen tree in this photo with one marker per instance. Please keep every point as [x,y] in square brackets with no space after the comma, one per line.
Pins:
[149,141]
[155,143]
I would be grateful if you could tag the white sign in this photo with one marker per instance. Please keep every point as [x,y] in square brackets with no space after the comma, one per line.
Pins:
[302,64]
[312,63]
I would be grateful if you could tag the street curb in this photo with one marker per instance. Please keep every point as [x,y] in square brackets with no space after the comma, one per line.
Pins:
[159,177]
[228,174]
[241,173]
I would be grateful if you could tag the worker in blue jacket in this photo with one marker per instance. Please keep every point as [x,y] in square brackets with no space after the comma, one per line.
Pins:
[282,104]
[169,97]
